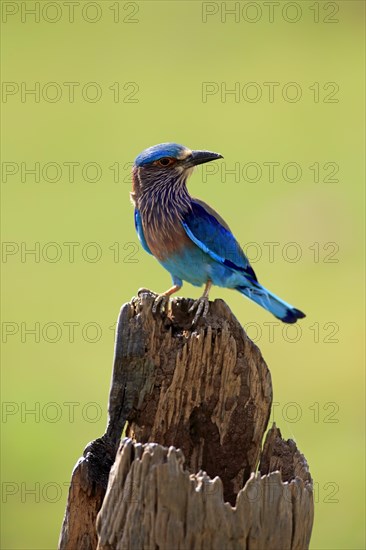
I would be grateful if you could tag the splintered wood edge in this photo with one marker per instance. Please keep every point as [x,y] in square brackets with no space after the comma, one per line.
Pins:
[148,480]
[283,456]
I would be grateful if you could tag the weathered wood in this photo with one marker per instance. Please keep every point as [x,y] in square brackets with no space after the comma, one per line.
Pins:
[153,501]
[205,390]
[208,391]
[90,475]
[87,489]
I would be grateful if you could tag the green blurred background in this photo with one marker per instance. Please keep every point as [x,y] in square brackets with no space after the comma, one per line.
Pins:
[161,54]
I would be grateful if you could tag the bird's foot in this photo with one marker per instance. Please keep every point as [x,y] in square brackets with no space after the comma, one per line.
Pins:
[161,301]
[202,306]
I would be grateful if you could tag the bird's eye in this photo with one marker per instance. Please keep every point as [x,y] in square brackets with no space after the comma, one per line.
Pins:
[165,161]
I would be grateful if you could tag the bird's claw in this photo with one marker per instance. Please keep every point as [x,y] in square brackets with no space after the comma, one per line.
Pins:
[202,305]
[160,300]
[160,303]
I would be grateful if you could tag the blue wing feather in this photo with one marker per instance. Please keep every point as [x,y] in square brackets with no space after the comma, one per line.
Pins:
[212,235]
[140,231]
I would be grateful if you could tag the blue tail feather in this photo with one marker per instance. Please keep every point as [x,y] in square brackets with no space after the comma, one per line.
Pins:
[272,303]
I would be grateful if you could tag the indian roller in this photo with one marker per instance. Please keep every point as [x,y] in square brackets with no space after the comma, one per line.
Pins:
[187,236]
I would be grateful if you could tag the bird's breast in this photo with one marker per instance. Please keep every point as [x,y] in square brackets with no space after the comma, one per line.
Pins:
[165,237]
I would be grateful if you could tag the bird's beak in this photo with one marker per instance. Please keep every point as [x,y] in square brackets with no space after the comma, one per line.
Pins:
[200,157]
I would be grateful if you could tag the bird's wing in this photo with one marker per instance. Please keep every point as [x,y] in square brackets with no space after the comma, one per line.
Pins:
[211,234]
[140,231]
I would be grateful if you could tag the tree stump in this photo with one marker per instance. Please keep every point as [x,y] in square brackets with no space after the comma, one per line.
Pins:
[195,403]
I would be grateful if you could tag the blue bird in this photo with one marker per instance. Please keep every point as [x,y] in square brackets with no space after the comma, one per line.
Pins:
[187,236]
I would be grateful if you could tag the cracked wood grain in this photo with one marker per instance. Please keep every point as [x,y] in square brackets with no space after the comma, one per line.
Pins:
[205,390]
[153,501]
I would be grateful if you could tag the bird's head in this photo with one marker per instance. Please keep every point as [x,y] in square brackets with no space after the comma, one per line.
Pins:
[166,164]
